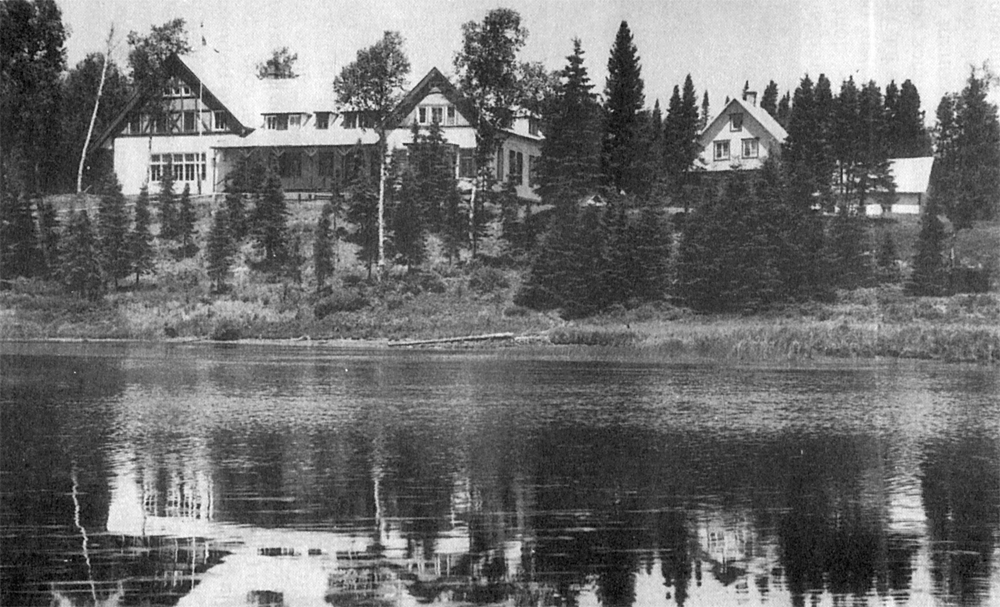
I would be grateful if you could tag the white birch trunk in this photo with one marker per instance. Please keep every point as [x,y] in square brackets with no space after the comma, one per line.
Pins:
[93,115]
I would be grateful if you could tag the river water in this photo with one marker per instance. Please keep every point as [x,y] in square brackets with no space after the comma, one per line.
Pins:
[201,475]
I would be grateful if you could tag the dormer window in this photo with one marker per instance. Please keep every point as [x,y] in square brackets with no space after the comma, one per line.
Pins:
[221,123]
[295,120]
[533,126]
[276,122]
[735,122]
[322,120]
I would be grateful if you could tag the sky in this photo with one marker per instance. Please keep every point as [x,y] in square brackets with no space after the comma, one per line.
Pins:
[721,43]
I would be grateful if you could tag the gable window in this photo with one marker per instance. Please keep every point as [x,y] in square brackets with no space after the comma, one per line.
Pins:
[750,148]
[735,122]
[436,114]
[422,115]
[221,124]
[189,125]
[721,150]
[533,127]
[451,115]
[322,120]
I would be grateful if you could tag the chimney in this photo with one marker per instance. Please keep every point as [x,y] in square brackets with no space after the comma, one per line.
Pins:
[750,97]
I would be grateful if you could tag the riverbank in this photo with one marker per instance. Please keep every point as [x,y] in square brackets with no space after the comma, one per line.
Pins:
[867,323]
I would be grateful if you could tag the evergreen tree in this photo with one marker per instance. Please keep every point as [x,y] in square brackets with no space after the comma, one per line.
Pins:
[929,276]
[236,210]
[362,213]
[871,175]
[891,101]
[705,113]
[80,258]
[409,234]
[454,226]
[967,180]
[167,203]
[681,134]
[221,249]
[784,110]
[141,239]
[270,224]
[907,131]
[48,237]
[324,262]
[886,259]
[623,102]
[639,250]
[847,135]
[769,100]
[569,168]
[113,231]
[849,266]
[801,147]
[185,231]
[21,256]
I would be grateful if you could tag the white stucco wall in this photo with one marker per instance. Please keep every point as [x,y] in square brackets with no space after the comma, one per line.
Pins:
[132,156]
[721,131]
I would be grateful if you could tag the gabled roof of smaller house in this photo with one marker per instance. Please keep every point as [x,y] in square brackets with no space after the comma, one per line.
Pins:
[758,113]
[911,175]
[433,82]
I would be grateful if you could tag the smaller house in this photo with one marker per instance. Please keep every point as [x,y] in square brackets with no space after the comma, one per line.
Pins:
[912,177]
[740,137]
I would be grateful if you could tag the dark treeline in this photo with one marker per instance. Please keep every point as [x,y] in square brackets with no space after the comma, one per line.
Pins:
[611,172]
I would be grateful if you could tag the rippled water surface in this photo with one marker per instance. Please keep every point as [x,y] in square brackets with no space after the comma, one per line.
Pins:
[200,475]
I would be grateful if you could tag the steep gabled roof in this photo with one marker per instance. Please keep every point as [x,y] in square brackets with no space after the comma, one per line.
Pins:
[911,175]
[759,114]
[214,87]
[433,82]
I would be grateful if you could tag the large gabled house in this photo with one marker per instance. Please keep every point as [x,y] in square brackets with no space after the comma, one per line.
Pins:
[212,117]
[740,137]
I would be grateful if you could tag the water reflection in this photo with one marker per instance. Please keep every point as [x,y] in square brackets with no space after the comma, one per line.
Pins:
[285,478]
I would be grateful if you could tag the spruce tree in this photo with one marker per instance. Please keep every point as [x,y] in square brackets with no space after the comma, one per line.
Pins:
[849,267]
[113,231]
[21,256]
[585,288]
[324,262]
[270,224]
[185,232]
[871,175]
[847,135]
[221,249]
[929,276]
[705,113]
[236,210]
[409,235]
[362,213]
[808,151]
[570,165]
[909,135]
[80,267]
[141,239]
[769,100]
[623,102]
[167,203]
[784,110]
[886,259]
[48,237]
[652,240]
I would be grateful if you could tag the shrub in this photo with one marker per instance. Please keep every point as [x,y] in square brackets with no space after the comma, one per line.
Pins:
[226,330]
[347,300]
[592,337]
[516,311]
[485,280]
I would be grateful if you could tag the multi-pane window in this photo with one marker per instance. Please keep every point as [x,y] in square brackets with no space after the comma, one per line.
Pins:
[721,150]
[295,120]
[466,163]
[322,120]
[735,122]
[533,127]
[221,123]
[750,148]
[437,113]
[185,167]
[189,122]
[277,122]
[422,115]
[515,170]
[290,164]
[451,115]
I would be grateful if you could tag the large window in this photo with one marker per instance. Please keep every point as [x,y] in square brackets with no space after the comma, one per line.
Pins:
[185,167]
[721,150]
[467,163]
[515,170]
[750,148]
[290,164]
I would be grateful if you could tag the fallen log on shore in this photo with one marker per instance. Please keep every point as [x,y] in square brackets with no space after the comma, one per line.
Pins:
[449,340]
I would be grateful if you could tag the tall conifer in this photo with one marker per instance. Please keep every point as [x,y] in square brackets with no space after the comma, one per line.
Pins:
[113,230]
[270,223]
[185,231]
[623,102]
[769,100]
[221,249]
[167,204]
[141,240]
[80,267]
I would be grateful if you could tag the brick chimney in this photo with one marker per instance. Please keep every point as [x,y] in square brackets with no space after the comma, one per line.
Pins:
[750,97]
